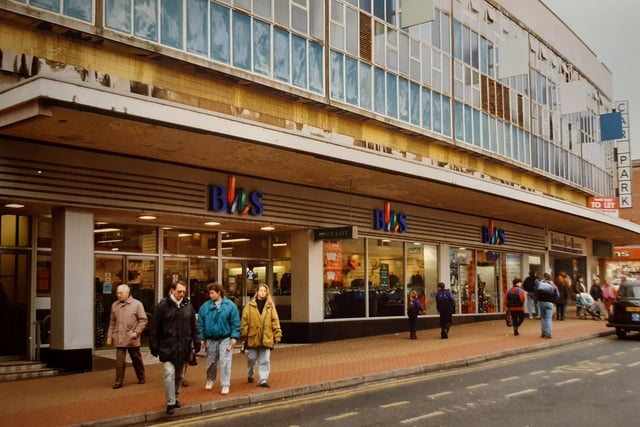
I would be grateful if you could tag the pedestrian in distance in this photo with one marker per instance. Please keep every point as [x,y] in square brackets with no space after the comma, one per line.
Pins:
[516,298]
[128,320]
[260,330]
[562,283]
[446,306]
[174,333]
[579,288]
[546,294]
[414,308]
[529,285]
[219,329]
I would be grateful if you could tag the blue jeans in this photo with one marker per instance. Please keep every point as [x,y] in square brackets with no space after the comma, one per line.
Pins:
[546,316]
[533,308]
[263,356]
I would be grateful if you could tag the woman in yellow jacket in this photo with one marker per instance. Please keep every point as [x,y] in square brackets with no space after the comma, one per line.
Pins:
[261,331]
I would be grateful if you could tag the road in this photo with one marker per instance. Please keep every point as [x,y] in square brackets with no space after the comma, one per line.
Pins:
[596,382]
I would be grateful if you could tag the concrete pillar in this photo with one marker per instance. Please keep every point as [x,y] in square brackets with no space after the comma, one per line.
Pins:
[72,290]
[307,294]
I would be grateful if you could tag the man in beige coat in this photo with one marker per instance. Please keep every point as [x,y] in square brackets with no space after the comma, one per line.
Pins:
[128,320]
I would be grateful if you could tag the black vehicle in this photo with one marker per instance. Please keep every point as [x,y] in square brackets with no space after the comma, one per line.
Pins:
[625,312]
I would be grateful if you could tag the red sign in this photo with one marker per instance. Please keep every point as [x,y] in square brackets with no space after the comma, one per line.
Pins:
[626,253]
[604,203]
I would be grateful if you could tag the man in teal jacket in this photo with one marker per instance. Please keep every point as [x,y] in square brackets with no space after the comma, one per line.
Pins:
[219,326]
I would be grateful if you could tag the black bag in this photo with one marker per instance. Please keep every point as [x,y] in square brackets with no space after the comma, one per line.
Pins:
[507,318]
[243,347]
[193,361]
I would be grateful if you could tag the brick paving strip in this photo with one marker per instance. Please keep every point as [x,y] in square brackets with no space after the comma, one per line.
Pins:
[87,398]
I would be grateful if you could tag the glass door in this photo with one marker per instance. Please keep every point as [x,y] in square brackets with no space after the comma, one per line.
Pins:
[241,278]
[14,297]
[108,270]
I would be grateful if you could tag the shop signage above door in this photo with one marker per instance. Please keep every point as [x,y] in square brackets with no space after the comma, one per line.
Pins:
[492,235]
[565,243]
[387,220]
[338,233]
[235,200]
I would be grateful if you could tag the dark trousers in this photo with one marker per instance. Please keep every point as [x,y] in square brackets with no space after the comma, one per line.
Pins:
[413,320]
[517,317]
[136,359]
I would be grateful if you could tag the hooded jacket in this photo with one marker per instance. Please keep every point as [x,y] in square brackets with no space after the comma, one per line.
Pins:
[260,330]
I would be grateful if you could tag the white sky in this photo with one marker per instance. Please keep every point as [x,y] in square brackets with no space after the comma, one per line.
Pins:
[610,29]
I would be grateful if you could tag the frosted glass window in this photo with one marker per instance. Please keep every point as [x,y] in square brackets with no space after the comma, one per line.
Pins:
[220,34]
[474,50]
[379,91]
[445,31]
[197,26]
[316,80]
[437,112]
[426,65]
[476,128]
[245,4]
[507,139]
[457,40]
[261,47]
[403,99]
[392,95]
[379,44]
[336,36]
[468,124]
[351,80]
[415,104]
[486,140]
[118,15]
[316,19]
[171,23]
[403,52]
[299,61]
[337,75]
[145,18]
[79,9]
[299,19]
[426,108]
[459,130]
[241,41]
[352,31]
[446,116]
[262,8]
[52,5]
[365,85]
[282,12]
[281,67]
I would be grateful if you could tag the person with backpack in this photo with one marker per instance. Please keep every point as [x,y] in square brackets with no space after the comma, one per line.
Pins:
[515,302]
[529,286]
[547,293]
[446,306]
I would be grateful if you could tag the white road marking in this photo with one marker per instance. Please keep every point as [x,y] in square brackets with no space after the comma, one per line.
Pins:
[444,393]
[509,379]
[631,365]
[572,380]
[391,405]
[606,372]
[537,372]
[471,387]
[422,417]
[520,393]
[620,353]
[602,357]
[341,416]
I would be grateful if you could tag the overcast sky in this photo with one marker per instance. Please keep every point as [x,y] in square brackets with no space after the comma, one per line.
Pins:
[610,29]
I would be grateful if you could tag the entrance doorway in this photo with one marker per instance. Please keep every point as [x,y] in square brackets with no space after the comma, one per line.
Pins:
[197,272]
[241,278]
[14,303]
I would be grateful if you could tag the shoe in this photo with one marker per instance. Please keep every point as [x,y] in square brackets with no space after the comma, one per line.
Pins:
[516,333]
[142,381]
[185,383]
[177,404]
[250,379]
[208,385]
[169,409]
[117,386]
[225,390]
[264,383]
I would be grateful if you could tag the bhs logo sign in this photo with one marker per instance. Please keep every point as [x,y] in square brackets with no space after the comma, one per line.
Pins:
[388,220]
[492,235]
[235,200]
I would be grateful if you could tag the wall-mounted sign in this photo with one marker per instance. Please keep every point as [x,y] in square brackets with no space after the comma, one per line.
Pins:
[623,158]
[492,235]
[387,220]
[235,200]
[608,205]
[565,243]
[338,233]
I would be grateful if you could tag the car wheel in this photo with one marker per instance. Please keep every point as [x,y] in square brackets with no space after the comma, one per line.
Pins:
[621,333]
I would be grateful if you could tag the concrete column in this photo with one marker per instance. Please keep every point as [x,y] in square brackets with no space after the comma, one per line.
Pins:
[72,290]
[307,294]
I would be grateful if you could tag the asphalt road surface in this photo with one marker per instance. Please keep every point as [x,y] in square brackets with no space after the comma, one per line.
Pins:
[592,383]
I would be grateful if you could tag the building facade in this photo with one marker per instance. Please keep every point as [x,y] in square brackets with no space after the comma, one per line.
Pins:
[342,151]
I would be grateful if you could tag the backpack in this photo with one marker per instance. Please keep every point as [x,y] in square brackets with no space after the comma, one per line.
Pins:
[513,298]
[545,288]
[529,284]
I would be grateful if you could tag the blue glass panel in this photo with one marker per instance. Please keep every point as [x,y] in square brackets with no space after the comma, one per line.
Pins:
[517,149]
[299,61]
[437,112]
[281,55]
[241,40]
[507,139]
[457,39]
[486,141]
[426,108]
[197,27]
[261,47]
[446,115]
[145,19]
[468,124]
[403,99]
[316,76]
[171,19]
[220,33]
[392,95]
[79,9]
[459,132]
[365,86]
[337,75]
[484,55]
[52,5]
[476,128]
[379,93]
[118,15]
[415,104]
[351,80]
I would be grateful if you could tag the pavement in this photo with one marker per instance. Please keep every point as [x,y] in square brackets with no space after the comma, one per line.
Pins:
[87,399]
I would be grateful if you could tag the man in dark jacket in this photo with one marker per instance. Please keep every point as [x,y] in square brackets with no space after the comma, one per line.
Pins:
[446,306]
[174,333]
[529,285]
